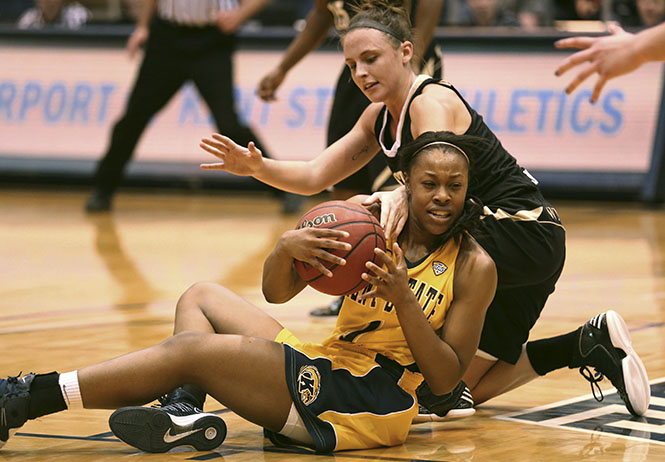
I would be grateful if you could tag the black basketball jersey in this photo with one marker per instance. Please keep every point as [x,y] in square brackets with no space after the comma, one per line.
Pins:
[496,178]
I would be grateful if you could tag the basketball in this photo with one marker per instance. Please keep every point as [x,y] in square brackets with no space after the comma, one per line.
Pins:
[365,234]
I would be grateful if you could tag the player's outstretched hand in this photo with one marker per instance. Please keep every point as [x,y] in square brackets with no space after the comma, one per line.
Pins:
[608,56]
[390,281]
[394,210]
[269,85]
[236,159]
[313,245]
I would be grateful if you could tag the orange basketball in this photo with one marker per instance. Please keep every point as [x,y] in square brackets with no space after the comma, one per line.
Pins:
[365,234]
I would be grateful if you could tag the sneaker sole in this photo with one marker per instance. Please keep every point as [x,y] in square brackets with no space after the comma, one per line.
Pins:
[635,377]
[453,414]
[153,430]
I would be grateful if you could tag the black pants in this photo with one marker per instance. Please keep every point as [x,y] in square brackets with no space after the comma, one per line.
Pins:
[529,256]
[174,55]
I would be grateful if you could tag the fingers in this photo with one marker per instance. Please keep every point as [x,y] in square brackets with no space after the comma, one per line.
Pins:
[253,149]
[385,217]
[225,141]
[580,43]
[598,88]
[319,266]
[214,151]
[215,166]
[266,91]
[373,199]
[397,251]
[572,61]
[398,227]
[384,260]
[581,77]
[614,28]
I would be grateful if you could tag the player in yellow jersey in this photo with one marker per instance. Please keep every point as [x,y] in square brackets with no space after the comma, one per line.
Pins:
[421,318]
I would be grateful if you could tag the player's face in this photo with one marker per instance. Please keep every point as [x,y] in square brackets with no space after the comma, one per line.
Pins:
[437,183]
[374,62]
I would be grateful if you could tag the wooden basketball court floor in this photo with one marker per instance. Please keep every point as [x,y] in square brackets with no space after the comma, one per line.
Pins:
[77,289]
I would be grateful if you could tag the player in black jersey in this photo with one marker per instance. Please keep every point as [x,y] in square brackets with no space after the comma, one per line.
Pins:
[520,229]
[349,102]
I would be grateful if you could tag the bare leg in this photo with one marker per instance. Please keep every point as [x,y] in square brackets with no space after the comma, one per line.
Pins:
[487,379]
[245,374]
[209,307]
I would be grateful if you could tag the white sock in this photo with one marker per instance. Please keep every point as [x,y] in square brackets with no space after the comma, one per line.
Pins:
[69,386]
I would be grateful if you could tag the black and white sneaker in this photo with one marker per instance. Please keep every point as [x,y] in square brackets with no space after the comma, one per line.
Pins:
[605,344]
[14,404]
[162,428]
[436,408]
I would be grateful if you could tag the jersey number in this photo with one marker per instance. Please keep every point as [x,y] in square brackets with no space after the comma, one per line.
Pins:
[368,328]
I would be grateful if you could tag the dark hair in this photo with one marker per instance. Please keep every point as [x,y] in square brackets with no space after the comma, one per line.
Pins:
[463,145]
[392,15]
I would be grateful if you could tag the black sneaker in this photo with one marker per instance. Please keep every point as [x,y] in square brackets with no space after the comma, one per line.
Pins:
[161,428]
[330,310]
[14,404]
[605,344]
[436,408]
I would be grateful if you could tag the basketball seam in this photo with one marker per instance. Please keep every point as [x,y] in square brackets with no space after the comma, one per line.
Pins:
[373,260]
[366,217]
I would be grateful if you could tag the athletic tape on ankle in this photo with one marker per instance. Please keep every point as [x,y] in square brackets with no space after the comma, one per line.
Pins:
[71,393]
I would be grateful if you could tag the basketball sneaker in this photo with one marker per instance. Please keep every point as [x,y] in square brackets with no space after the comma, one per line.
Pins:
[330,310]
[605,344]
[173,423]
[14,404]
[436,408]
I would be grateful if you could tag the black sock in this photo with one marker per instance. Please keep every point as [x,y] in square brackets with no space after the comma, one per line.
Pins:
[549,354]
[198,394]
[188,393]
[45,395]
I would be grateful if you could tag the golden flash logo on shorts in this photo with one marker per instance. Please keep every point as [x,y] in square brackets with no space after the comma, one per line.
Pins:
[309,382]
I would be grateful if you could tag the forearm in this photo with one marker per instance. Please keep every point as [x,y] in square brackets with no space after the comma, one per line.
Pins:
[649,44]
[280,280]
[426,19]
[293,176]
[436,359]
[317,25]
[147,12]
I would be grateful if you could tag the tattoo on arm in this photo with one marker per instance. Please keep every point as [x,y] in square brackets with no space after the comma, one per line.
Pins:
[360,153]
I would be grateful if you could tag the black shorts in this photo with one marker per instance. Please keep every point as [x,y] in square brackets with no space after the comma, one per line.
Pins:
[528,249]
[349,400]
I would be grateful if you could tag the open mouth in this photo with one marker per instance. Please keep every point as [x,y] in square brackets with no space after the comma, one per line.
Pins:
[440,215]
[370,85]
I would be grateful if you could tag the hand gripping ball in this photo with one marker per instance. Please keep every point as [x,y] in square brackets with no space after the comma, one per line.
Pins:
[365,234]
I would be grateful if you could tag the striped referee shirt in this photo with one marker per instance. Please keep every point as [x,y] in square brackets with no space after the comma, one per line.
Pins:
[193,12]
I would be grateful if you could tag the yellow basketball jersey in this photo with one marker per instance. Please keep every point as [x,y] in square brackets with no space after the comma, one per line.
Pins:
[373,325]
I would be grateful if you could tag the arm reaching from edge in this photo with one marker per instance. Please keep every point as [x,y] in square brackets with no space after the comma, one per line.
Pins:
[611,56]
[318,23]
[338,161]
